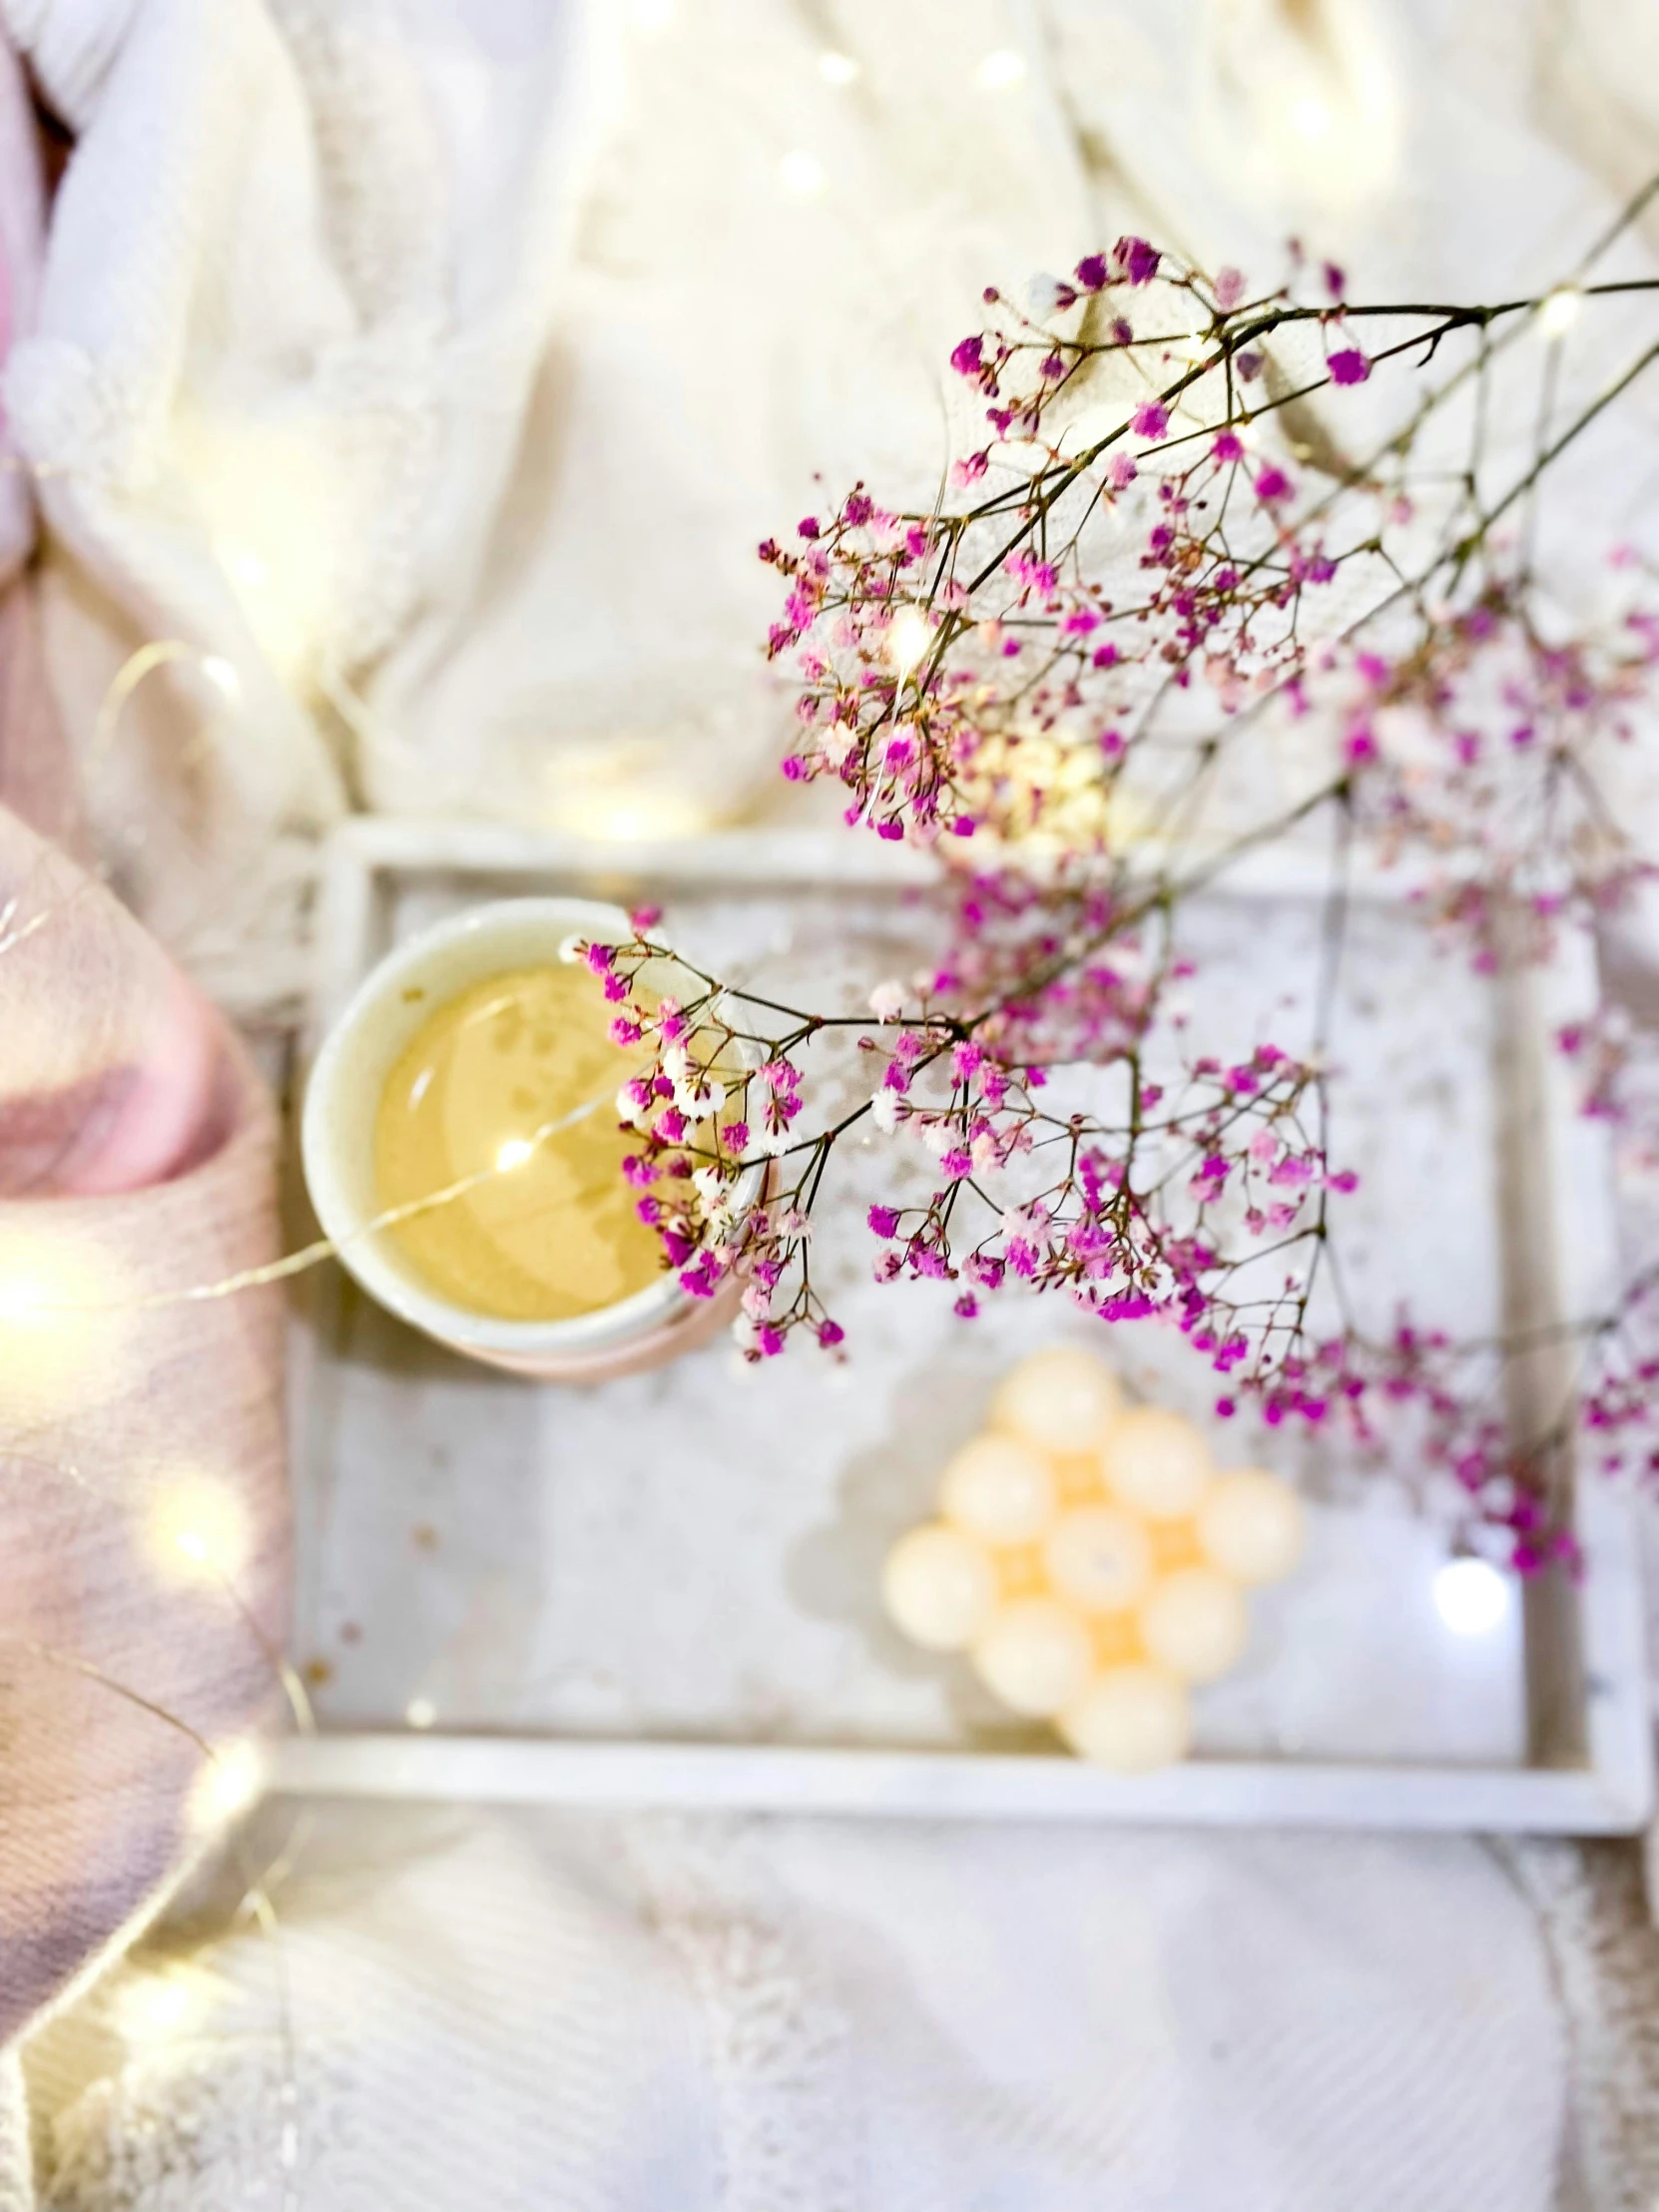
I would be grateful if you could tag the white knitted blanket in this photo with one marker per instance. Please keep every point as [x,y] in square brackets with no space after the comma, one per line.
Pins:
[635,2014]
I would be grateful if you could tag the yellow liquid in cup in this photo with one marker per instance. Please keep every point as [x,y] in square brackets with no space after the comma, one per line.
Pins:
[558,1235]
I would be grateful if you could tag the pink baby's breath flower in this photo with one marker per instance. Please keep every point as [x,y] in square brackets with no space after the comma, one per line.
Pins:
[1293,1172]
[1137,260]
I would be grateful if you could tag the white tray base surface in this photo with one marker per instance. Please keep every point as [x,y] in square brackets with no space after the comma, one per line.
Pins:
[664,1591]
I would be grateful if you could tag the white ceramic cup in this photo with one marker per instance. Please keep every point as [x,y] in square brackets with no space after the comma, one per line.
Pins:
[338,1145]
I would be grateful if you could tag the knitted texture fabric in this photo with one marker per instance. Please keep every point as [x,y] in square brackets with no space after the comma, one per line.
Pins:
[1604,1961]
[17,2192]
[135,1650]
[780,2015]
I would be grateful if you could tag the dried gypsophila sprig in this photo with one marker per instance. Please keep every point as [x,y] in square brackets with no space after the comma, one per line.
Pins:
[1167,1209]
[967,671]
[1481,752]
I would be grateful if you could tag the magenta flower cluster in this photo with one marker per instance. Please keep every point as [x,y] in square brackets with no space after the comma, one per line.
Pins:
[1147,528]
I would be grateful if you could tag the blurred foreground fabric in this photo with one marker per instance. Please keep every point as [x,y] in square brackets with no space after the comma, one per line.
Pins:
[632,2014]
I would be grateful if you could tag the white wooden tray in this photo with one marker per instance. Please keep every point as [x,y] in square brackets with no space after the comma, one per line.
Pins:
[664,1590]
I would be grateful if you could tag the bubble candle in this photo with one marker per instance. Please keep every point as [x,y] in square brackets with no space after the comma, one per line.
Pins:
[1091,1561]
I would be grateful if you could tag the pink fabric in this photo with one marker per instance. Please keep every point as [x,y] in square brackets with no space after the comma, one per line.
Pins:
[121,1672]
[137,1160]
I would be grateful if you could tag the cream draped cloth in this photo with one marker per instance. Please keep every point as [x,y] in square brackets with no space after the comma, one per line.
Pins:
[436,369]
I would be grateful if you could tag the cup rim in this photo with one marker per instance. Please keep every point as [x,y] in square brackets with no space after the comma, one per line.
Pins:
[602,1330]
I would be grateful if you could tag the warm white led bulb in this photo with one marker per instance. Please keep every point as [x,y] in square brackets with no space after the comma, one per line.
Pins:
[23,1300]
[223,676]
[1559,314]
[513,1152]
[1312,116]
[996,72]
[801,174]
[228,1786]
[62,1331]
[197,1528]
[908,640]
[1471,1597]
[150,2004]
[246,567]
[838,69]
